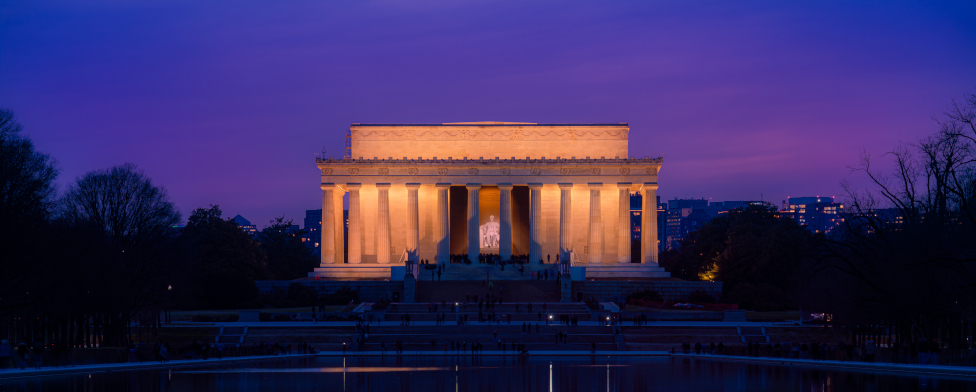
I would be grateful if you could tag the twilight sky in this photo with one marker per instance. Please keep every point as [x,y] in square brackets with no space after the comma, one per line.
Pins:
[226,102]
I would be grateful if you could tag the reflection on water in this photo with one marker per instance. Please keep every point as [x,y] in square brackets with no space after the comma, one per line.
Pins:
[438,373]
[315,370]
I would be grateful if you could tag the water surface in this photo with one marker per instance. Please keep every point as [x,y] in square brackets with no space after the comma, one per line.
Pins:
[439,373]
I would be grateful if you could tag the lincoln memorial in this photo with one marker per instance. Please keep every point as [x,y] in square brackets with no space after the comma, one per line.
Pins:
[426,191]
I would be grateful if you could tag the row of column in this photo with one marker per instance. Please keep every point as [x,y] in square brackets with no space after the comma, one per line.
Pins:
[649,245]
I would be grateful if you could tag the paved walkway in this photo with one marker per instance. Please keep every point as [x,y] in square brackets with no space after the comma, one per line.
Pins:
[107,367]
[391,353]
[843,365]
[451,322]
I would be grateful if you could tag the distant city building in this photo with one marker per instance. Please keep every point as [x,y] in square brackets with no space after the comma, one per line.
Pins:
[684,216]
[819,214]
[313,228]
[245,225]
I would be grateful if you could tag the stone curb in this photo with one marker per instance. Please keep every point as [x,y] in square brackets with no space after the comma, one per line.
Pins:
[844,365]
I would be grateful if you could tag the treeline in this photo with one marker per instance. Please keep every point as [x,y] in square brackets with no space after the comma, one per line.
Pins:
[902,265]
[84,266]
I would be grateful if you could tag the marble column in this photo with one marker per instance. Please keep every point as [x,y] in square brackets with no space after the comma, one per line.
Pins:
[383,223]
[535,222]
[340,236]
[623,223]
[328,224]
[442,227]
[565,221]
[649,223]
[474,223]
[413,223]
[505,222]
[596,225]
[355,225]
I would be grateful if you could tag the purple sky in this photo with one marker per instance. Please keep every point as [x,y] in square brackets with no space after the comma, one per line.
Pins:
[227,103]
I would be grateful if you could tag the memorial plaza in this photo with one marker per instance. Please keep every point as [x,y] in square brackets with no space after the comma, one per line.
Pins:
[458,202]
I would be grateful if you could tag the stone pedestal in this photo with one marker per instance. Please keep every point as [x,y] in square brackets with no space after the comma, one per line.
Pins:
[409,288]
[565,288]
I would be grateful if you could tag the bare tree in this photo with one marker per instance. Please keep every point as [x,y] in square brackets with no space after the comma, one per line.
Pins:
[907,250]
[134,218]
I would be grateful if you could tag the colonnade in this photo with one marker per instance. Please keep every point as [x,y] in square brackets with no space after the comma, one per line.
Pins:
[649,245]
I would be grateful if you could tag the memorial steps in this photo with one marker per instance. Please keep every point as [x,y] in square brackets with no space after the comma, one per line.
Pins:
[624,270]
[509,290]
[419,312]
[480,271]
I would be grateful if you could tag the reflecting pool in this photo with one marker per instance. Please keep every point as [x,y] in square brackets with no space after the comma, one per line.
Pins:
[440,373]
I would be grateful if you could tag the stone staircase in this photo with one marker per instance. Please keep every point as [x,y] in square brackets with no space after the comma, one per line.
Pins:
[753,334]
[419,312]
[231,335]
[478,272]
[508,290]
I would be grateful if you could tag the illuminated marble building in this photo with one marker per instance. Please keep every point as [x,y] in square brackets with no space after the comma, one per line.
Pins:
[426,191]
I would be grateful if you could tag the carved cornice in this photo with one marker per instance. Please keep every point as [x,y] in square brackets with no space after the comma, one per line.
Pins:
[481,134]
[489,167]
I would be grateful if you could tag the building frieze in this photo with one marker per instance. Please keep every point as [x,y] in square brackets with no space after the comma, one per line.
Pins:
[518,133]
[490,167]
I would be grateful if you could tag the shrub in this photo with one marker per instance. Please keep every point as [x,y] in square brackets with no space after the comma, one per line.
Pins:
[646,295]
[301,295]
[701,296]
[763,298]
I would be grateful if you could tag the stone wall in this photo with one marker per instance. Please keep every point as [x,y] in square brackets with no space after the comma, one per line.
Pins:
[617,291]
[489,140]
[369,291]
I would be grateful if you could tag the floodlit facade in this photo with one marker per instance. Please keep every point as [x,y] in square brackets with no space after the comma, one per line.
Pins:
[426,191]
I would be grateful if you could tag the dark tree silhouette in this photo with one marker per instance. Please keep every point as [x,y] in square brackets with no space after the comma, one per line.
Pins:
[905,257]
[288,257]
[223,262]
[755,253]
[127,223]
[26,195]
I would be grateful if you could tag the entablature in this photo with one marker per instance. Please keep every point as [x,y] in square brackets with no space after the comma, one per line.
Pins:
[517,171]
